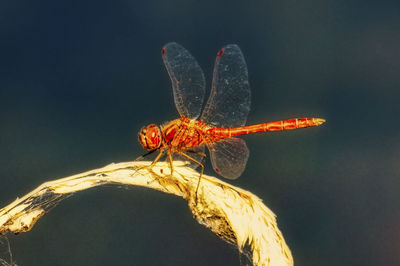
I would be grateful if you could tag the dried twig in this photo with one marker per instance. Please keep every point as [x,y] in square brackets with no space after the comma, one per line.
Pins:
[236,215]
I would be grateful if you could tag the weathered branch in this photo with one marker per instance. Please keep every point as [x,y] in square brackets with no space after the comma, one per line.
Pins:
[236,215]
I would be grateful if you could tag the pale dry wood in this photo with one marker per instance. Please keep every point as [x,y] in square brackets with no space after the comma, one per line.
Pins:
[236,215]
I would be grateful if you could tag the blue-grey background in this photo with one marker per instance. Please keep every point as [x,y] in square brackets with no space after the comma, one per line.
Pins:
[79,78]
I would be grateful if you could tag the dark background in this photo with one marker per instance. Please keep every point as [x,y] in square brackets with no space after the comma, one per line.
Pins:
[79,78]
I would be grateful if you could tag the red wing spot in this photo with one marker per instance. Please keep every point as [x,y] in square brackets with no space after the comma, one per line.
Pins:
[217,170]
[220,53]
[163,51]
[161,171]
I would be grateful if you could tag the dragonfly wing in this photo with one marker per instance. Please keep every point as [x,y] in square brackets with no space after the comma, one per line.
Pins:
[229,101]
[229,157]
[196,153]
[187,79]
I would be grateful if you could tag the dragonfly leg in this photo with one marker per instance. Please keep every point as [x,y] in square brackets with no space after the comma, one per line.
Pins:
[170,158]
[140,158]
[157,158]
[202,154]
[149,167]
[199,163]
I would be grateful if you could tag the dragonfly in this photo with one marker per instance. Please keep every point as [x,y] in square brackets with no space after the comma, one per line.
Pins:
[223,117]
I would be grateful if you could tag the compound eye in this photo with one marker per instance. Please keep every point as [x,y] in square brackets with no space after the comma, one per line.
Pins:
[143,138]
[150,137]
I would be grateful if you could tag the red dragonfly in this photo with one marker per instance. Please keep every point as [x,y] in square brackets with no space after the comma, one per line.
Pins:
[223,118]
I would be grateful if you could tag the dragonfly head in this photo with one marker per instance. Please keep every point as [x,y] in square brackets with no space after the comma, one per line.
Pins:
[150,137]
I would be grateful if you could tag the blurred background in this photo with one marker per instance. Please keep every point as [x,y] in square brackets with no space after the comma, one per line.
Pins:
[78,79]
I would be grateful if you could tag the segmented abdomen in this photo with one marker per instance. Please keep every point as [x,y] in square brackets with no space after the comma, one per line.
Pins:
[221,133]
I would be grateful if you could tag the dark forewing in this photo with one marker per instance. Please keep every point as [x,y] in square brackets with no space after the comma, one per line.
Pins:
[229,157]
[187,79]
[229,101]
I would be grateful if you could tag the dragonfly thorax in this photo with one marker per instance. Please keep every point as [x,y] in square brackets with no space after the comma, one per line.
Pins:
[183,133]
[150,137]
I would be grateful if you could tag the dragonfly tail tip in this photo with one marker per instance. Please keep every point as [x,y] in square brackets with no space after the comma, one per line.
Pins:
[319,121]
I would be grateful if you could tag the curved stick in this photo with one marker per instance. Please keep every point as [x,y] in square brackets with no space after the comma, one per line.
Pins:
[235,215]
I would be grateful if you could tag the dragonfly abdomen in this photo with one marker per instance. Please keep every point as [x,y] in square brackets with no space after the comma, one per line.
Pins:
[221,133]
